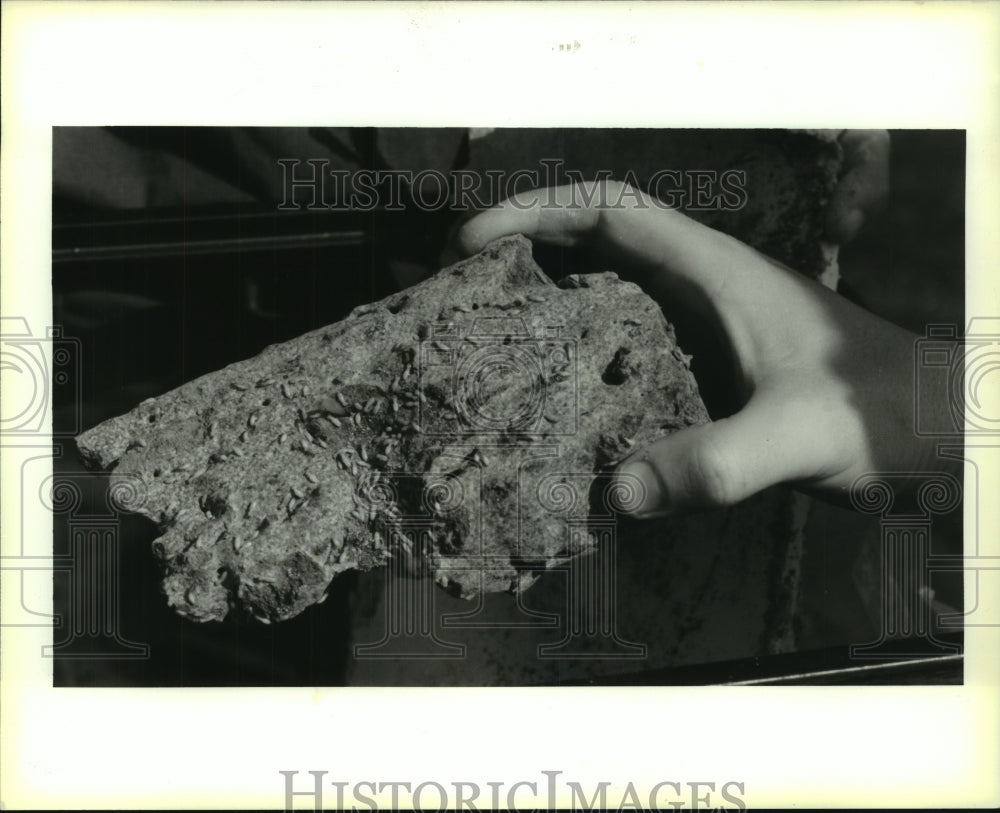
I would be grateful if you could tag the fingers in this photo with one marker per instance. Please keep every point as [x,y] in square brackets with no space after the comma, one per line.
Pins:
[774,439]
[674,256]
[759,308]
[864,187]
[798,426]
[561,215]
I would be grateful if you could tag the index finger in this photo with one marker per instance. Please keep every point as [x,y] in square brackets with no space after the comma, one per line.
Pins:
[762,308]
[674,256]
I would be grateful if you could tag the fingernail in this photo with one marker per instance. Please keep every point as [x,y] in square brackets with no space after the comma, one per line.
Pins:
[641,492]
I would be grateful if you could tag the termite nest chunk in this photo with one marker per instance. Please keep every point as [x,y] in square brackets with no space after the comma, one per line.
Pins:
[216,505]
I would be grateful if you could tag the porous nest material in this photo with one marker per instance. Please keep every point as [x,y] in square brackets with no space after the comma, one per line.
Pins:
[468,424]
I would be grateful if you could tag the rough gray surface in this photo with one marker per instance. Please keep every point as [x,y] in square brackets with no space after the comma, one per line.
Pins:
[462,424]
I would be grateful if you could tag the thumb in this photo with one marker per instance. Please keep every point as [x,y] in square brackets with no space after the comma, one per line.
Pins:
[718,464]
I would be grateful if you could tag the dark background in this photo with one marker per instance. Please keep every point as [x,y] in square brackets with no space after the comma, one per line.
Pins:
[151,313]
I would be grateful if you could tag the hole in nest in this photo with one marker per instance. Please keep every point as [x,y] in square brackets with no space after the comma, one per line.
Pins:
[620,368]
[215,505]
[151,419]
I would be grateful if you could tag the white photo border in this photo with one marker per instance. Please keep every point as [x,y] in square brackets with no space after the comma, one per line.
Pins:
[728,64]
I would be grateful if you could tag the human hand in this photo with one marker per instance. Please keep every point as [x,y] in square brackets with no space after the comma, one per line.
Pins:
[827,388]
[863,188]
